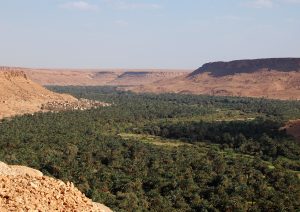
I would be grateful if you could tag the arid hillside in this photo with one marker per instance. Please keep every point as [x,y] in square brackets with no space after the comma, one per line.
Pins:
[26,189]
[266,78]
[19,95]
[267,84]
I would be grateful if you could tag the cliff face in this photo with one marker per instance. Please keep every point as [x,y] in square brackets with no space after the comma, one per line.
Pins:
[10,75]
[219,69]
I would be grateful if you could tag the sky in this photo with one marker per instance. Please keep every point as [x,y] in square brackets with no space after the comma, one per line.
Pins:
[145,33]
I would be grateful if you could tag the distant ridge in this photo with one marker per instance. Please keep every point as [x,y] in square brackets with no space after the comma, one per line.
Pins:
[219,69]
[118,77]
[273,78]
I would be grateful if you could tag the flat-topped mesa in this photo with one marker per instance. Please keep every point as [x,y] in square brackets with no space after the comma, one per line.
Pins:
[151,74]
[219,69]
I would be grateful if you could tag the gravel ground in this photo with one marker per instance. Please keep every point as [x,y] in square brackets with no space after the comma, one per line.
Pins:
[25,189]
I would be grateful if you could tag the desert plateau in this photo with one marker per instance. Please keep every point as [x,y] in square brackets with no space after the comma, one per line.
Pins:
[274,78]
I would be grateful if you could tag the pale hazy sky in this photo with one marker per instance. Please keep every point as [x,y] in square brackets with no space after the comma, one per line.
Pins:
[145,33]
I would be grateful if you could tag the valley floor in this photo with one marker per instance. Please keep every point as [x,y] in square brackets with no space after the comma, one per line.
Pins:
[166,152]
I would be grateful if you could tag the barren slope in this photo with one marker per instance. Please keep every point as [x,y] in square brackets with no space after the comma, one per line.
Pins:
[268,84]
[19,95]
[269,78]
[26,189]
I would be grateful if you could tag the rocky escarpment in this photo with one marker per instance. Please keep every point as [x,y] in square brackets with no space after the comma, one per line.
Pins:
[26,189]
[219,69]
[263,78]
[12,72]
[10,75]
[19,95]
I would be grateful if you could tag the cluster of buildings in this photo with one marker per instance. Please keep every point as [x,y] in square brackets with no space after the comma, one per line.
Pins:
[81,104]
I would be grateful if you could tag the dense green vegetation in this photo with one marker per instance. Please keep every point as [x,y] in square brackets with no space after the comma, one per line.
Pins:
[165,152]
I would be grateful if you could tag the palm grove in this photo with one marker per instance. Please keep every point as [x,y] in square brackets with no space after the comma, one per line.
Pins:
[229,155]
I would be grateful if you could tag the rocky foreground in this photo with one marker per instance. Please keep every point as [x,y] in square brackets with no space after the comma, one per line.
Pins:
[26,189]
